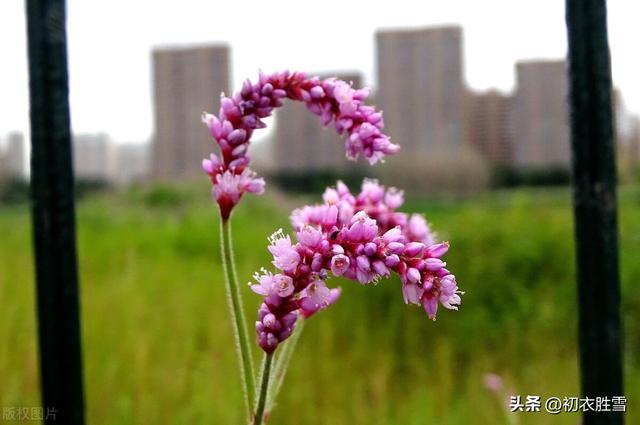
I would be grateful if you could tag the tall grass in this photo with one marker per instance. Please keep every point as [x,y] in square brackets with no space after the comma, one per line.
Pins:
[157,339]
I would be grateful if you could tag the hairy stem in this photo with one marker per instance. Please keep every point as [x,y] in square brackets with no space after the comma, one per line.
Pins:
[264,389]
[234,298]
[282,363]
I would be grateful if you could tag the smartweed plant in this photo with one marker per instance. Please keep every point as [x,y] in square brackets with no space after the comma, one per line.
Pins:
[360,237]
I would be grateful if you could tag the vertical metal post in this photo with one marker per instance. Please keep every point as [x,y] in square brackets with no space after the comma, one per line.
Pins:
[53,214]
[595,204]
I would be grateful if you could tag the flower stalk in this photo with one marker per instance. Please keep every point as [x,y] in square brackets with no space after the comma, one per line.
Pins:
[234,298]
[264,389]
[282,364]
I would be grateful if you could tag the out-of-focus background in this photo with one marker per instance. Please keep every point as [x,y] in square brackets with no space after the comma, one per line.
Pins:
[476,95]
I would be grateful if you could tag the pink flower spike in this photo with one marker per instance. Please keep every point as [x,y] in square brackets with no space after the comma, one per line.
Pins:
[331,99]
[361,238]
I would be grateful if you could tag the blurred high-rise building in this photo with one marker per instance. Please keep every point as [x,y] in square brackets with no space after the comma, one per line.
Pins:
[14,156]
[635,140]
[489,126]
[624,122]
[540,114]
[93,156]
[421,88]
[132,162]
[187,81]
[300,141]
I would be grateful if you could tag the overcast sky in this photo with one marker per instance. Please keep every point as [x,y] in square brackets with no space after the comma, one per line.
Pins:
[110,44]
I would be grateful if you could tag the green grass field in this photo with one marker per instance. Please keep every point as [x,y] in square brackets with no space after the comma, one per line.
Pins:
[157,339]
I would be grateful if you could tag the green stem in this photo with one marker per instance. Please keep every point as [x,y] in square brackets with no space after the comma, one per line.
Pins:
[264,387]
[282,363]
[234,298]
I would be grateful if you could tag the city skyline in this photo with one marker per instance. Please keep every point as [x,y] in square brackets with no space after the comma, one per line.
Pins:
[107,67]
[429,110]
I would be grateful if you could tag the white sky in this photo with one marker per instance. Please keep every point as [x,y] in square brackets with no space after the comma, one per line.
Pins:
[110,44]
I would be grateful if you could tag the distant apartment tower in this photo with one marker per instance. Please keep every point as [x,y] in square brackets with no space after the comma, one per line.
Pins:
[421,89]
[631,148]
[93,156]
[187,81]
[540,114]
[635,140]
[14,156]
[302,143]
[489,126]
[623,122]
[132,163]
